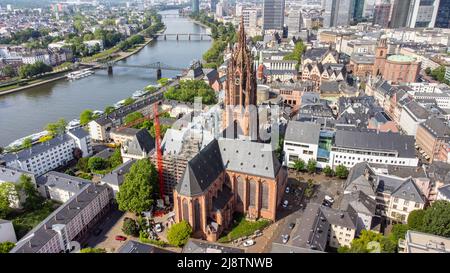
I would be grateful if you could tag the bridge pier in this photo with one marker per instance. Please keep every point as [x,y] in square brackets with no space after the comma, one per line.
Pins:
[189,37]
[158,74]
[177,37]
[110,70]
[165,37]
[201,37]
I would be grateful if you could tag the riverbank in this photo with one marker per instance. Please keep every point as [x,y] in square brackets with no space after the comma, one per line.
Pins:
[122,56]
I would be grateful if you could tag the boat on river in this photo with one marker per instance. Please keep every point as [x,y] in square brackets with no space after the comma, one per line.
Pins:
[34,137]
[80,74]
[137,94]
[75,123]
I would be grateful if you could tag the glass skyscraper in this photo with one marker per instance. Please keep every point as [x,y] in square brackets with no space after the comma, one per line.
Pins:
[443,16]
[273,14]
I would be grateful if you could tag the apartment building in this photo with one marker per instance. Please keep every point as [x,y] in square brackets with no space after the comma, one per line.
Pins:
[307,141]
[140,146]
[412,115]
[49,155]
[395,196]
[432,136]
[67,226]
[419,242]
[59,186]
[115,178]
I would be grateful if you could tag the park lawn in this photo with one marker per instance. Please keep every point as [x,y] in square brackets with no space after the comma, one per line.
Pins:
[25,221]
[244,227]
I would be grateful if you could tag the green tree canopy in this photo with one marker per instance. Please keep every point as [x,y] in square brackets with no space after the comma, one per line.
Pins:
[33,200]
[30,70]
[132,117]
[415,219]
[116,158]
[311,166]
[57,128]
[130,227]
[97,163]
[8,194]
[299,165]
[179,233]
[369,241]
[436,219]
[92,250]
[27,143]
[128,101]
[138,190]
[109,109]
[189,89]
[86,116]
[341,171]
[6,247]
[328,171]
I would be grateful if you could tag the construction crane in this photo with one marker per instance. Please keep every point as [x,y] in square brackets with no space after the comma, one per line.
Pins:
[159,160]
[158,151]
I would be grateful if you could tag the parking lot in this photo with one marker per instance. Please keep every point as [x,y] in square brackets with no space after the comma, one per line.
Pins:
[291,216]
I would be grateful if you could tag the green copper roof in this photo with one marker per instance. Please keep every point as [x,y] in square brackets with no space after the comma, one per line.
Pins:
[401,58]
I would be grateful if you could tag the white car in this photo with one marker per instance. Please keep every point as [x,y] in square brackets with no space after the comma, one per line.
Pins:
[287,189]
[285,238]
[329,198]
[249,243]
[285,203]
[158,227]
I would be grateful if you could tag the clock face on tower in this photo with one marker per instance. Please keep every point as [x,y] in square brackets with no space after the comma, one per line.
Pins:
[237,81]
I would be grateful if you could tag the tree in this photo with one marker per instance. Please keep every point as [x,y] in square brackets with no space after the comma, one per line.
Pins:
[341,172]
[299,165]
[92,250]
[189,89]
[311,166]
[33,200]
[428,70]
[415,219]
[97,163]
[27,143]
[328,171]
[109,109]
[116,158]
[82,164]
[128,101]
[163,81]
[136,194]
[179,233]
[86,116]
[132,117]
[436,219]
[57,128]
[130,227]
[9,71]
[8,195]
[297,53]
[369,241]
[398,232]
[6,247]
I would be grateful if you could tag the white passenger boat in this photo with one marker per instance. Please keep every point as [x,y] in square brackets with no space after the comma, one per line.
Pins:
[75,123]
[97,112]
[137,94]
[119,104]
[33,137]
[80,74]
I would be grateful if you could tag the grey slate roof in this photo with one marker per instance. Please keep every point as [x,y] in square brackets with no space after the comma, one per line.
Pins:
[37,149]
[125,131]
[230,154]
[360,202]
[329,87]
[62,181]
[303,132]
[437,128]
[418,111]
[117,176]
[9,174]
[131,246]
[43,232]
[408,190]
[445,190]
[79,132]
[382,141]
[200,246]
[141,142]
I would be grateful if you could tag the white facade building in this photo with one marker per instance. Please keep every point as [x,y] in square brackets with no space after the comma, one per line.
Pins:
[411,116]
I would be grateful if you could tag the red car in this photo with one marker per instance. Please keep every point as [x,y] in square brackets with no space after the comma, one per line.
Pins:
[121,238]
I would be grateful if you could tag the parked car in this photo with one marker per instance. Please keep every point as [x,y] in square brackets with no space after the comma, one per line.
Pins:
[258,233]
[285,238]
[329,199]
[158,227]
[326,203]
[285,203]
[249,243]
[287,189]
[121,238]
[291,225]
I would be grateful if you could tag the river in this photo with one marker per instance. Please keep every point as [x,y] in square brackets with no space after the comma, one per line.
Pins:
[28,111]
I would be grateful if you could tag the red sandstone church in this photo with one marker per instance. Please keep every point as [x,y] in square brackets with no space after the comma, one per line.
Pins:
[232,175]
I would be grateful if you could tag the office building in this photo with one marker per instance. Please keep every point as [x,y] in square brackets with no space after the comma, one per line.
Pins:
[422,13]
[382,14]
[443,16]
[399,14]
[419,242]
[195,7]
[336,13]
[273,15]
[357,10]
[212,5]
[294,22]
